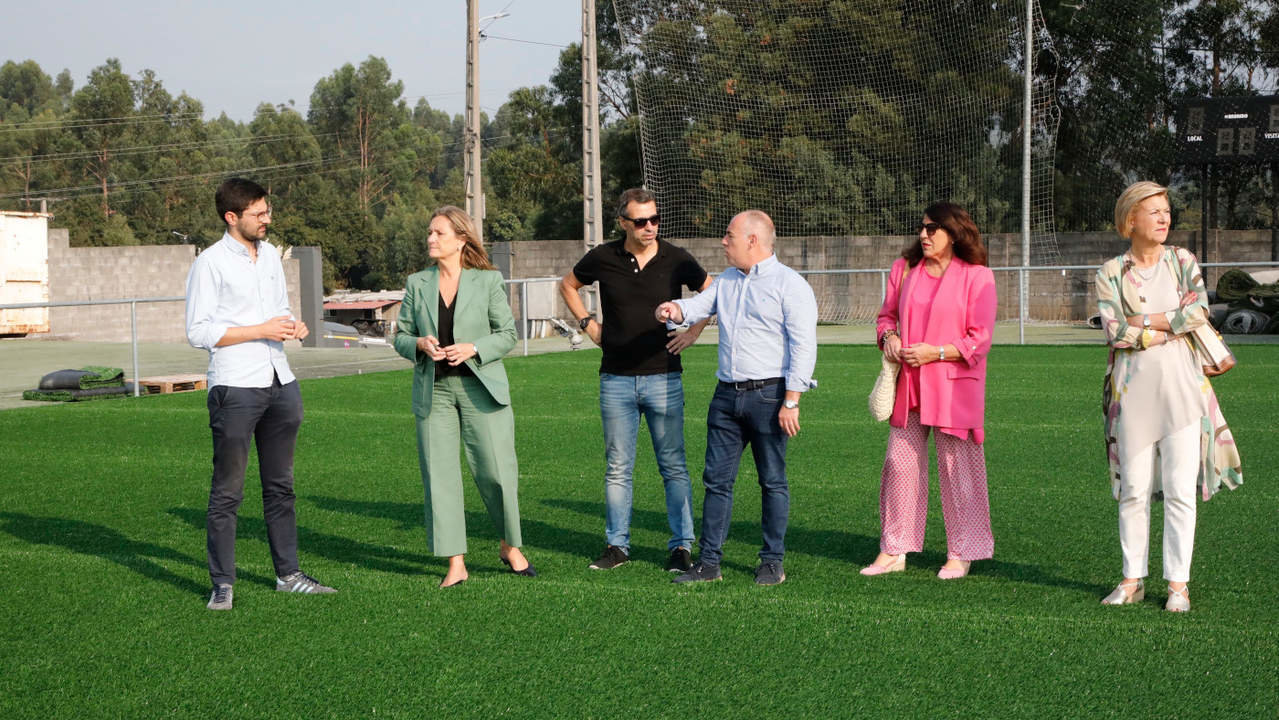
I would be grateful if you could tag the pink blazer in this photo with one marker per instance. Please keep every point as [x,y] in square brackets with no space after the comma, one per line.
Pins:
[952,394]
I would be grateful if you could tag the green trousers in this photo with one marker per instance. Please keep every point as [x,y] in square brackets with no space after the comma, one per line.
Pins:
[461,409]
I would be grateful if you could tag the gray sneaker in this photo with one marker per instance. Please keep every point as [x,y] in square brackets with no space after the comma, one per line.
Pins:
[221,597]
[300,582]
[700,573]
[770,572]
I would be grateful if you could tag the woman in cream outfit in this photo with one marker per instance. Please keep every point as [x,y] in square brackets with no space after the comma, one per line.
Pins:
[1163,425]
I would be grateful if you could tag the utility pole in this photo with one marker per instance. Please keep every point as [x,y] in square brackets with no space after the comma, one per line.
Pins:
[592,203]
[471,165]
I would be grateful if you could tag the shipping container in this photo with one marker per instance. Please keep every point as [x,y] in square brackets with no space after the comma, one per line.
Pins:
[24,271]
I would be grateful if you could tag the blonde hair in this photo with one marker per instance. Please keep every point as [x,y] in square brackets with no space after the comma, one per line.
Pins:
[473,253]
[1128,201]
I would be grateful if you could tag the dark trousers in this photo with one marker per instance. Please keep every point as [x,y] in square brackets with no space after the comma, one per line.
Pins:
[271,417]
[738,417]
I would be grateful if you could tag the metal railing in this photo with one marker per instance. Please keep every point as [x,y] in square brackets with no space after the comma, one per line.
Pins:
[1022,277]
[525,320]
[133,320]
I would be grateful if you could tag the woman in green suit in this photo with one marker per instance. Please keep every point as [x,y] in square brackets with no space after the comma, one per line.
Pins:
[455,325]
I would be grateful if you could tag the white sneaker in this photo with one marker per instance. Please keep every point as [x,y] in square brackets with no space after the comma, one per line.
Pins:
[221,597]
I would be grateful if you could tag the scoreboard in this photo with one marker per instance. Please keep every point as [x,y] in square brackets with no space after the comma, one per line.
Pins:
[1228,130]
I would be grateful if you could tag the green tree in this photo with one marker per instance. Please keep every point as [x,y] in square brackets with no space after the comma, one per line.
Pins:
[102,110]
[26,85]
[30,107]
[279,137]
[363,125]
[170,157]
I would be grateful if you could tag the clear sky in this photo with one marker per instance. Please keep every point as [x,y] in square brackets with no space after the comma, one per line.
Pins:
[233,55]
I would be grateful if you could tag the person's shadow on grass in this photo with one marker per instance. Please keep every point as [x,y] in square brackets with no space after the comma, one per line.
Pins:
[333,547]
[537,534]
[855,549]
[833,544]
[100,541]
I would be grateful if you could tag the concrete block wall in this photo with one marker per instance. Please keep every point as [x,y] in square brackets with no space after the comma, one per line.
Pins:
[161,270]
[1054,296]
[105,273]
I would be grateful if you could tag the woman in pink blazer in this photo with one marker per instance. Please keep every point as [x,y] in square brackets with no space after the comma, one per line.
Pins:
[937,319]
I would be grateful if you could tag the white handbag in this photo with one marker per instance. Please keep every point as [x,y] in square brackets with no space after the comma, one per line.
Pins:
[884,394]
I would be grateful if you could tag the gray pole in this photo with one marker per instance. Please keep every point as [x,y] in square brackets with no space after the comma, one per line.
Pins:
[1024,289]
[133,331]
[592,205]
[474,194]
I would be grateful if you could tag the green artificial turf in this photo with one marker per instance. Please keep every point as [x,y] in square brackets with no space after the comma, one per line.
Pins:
[103,578]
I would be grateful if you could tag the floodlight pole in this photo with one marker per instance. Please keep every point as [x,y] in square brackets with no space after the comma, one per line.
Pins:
[1024,280]
[474,194]
[592,203]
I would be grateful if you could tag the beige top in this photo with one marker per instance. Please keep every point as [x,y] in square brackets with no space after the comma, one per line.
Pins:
[1163,393]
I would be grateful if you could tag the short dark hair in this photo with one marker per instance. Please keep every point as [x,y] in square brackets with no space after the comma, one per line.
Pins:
[235,195]
[634,195]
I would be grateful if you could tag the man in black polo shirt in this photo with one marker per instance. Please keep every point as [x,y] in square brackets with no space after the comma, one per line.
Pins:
[640,370]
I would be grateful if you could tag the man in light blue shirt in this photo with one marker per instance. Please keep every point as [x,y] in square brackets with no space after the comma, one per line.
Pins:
[238,309]
[767,350]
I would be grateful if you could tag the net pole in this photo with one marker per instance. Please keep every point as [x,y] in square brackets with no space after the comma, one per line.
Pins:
[1024,284]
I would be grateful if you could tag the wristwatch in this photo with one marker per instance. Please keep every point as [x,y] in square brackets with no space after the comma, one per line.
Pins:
[941,353]
[790,404]
[581,324]
[1145,321]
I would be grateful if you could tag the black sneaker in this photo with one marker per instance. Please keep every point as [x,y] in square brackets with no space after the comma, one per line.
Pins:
[612,557]
[770,572]
[680,561]
[700,573]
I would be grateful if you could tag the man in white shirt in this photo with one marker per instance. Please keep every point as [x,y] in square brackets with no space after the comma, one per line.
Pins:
[237,308]
[767,351]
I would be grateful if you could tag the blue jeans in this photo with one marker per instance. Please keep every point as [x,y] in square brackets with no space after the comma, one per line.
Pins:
[660,398]
[736,418]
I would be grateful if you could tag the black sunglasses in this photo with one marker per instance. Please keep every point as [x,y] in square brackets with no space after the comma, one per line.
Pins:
[640,222]
[931,228]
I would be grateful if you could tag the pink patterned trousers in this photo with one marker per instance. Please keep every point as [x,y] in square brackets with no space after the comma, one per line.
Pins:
[903,493]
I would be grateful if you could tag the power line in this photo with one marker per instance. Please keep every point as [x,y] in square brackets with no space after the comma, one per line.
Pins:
[518,40]
[130,183]
[157,148]
[280,171]
[22,125]
[191,180]
[75,124]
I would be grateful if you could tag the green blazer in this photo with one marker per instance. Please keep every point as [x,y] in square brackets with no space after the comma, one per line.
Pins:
[482,316]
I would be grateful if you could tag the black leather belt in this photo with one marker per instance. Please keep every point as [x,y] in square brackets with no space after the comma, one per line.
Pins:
[752,384]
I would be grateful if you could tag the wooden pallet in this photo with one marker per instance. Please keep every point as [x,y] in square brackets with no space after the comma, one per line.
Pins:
[174,383]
